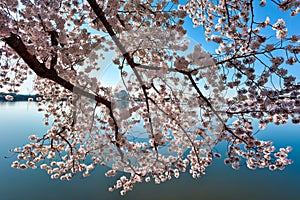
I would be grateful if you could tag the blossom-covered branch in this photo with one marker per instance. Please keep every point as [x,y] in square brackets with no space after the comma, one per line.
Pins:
[174,103]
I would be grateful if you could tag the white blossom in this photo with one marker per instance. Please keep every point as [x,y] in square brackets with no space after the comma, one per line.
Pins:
[179,101]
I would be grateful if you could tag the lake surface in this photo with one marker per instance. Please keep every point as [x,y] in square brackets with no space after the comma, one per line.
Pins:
[19,120]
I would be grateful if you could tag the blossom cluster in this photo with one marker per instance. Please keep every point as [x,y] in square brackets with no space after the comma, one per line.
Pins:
[180,101]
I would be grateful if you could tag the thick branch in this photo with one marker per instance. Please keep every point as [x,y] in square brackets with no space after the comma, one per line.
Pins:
[101,15]
[16,43]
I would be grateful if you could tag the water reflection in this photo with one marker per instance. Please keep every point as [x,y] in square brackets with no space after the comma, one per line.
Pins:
[19,119]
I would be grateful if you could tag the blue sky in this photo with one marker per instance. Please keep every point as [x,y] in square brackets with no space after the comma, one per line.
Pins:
[110,75]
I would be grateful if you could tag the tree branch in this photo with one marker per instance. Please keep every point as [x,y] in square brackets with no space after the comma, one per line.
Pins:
[16,43]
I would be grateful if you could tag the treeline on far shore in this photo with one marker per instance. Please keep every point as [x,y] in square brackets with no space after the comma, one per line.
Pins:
[18,97]
[13,97]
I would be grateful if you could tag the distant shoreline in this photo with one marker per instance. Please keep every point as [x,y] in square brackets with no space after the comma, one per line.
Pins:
[35,97]
[18,97]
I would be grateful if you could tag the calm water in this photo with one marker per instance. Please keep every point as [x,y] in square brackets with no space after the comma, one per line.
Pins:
[18,120]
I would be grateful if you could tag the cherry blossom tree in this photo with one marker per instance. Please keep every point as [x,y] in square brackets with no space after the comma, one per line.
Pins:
[180,101]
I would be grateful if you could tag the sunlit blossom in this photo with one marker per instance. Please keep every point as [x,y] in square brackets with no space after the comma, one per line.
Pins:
[174,103]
